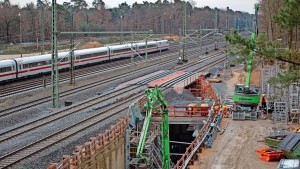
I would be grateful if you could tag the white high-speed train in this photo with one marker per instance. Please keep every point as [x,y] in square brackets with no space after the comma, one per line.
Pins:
[28,66]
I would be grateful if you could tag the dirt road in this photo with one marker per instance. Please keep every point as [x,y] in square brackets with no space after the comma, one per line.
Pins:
[235,148]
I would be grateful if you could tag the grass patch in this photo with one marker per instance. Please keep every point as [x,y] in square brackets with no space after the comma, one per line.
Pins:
[13,50]
[3,47]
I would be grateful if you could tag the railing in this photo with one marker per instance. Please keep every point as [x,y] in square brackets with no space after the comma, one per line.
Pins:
[182,163]
[96,144]
[206,91]
[184,111]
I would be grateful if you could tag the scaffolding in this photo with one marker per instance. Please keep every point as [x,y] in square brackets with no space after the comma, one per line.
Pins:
[152,152]
[283,102]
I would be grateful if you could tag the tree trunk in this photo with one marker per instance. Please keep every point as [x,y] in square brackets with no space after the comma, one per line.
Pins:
[290,38]
[296,38]
[7,32]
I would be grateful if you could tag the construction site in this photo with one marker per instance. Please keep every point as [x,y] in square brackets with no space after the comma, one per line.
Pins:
[175,90]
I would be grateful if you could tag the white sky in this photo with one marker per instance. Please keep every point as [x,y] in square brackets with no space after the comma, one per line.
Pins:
[240,5]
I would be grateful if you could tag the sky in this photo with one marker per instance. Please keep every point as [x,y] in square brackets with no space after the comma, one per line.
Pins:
[237,5]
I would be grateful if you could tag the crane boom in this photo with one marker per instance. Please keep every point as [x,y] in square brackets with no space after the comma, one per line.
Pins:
[246,100]
[253,36]
[155,95]
[249,64]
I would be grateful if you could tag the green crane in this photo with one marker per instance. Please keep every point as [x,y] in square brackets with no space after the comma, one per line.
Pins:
[244,95]
[155,95]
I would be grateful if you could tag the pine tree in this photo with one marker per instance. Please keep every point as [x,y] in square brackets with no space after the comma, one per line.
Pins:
[288,19]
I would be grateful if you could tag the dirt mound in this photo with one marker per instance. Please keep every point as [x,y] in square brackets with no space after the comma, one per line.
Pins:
[92,44]
[175,99]
[171,38]
[255,77]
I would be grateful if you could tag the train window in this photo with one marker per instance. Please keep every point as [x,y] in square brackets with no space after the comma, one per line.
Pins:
[142,47]
[151,46]
[42,63]
[148,46]
[32,65]
[25,66]
[35,64]
[83,56]
[93,55]
[122,50]
[101,54]
[5,69]
[65,59]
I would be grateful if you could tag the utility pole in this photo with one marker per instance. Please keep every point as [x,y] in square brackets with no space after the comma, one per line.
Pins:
[133,49]
[235,22]
[256,18]
[216,27]
[180,47]
[121,22]
[238,24]
[227,19]
[217,19]
[72,71]
[200,37]
[54,59]
[146,45]
[21,33]
[184,34]
[42,29]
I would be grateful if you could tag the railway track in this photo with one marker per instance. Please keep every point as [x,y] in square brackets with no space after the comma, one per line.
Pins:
[64,133]
[39,101]
[8,90]
[37,81]
[8,134]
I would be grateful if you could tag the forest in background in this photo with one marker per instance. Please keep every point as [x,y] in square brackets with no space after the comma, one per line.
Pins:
[161,17]
[277,41]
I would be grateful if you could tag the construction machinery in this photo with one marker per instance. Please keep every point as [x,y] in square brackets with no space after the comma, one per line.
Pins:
[246,98]
[155,95]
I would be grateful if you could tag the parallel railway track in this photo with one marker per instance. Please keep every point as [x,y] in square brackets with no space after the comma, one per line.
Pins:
[17,108]
[37,82]
[64,133]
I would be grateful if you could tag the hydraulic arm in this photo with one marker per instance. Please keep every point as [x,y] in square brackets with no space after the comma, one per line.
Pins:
[249,64]
[155,95]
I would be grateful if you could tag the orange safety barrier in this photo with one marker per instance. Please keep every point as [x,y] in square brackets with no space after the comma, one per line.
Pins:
[183,111]
[96,144]
[267,154]
[205,90]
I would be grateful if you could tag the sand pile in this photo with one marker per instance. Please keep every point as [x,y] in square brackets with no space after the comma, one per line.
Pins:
[175,99]
[92,44]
